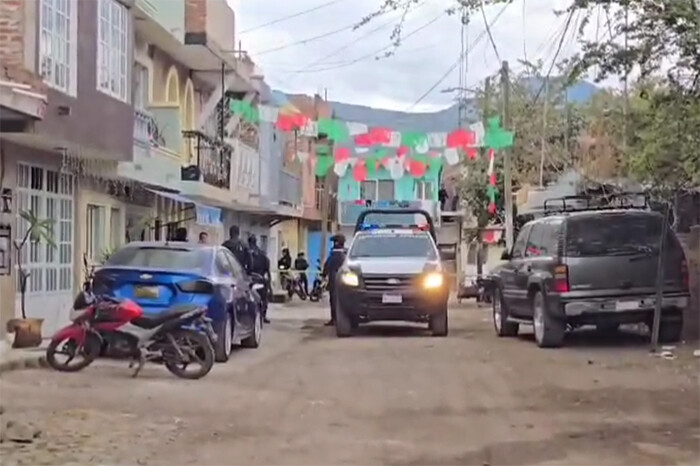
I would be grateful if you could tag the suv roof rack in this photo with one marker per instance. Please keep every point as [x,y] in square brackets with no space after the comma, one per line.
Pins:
[582,203]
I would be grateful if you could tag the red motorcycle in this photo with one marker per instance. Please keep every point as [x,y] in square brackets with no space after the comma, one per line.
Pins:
[105,326]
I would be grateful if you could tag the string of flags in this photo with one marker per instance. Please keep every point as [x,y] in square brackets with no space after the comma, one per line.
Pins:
[364,150]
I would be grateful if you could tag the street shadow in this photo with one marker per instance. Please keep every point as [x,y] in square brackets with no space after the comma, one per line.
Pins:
[315,329]
[373,330]
[589,337]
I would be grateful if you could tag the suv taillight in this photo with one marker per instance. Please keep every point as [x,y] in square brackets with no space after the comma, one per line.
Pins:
[685,276]
[196,286]
[561,279]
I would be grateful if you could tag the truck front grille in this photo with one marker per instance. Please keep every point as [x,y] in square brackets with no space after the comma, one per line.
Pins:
[388,282]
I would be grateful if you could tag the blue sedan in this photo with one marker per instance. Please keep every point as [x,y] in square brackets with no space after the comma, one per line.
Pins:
[159,275]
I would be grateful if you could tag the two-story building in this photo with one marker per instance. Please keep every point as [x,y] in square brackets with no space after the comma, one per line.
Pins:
[72,59]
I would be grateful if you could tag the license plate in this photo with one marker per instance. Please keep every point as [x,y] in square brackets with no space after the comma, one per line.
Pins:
[392,299]
[148,292]
[626,305]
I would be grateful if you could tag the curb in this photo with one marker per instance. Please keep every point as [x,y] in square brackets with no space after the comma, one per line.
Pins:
[26,362]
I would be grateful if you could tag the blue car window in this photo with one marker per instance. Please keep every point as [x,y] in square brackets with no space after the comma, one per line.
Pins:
[159,258]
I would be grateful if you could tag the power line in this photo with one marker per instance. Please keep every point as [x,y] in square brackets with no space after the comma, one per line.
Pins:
[488,30]
[352,26]
[458,61]
[293,15]
[354,41]
[372,54]
[556,54]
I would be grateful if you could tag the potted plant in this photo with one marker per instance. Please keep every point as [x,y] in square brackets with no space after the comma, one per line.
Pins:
[28,330]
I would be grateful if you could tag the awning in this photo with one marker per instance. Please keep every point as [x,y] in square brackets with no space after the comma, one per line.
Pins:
[205,215]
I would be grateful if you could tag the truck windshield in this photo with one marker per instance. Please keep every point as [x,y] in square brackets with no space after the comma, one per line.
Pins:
[393,246]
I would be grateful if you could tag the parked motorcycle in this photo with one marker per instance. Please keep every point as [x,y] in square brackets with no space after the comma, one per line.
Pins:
[294,286]
[106,326]
[317,290]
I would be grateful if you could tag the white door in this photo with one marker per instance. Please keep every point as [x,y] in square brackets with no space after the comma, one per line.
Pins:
[50,195]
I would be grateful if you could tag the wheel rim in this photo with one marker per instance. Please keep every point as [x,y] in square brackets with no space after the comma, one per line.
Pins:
[538,319]
[228,339]
[257,327]
[497,313]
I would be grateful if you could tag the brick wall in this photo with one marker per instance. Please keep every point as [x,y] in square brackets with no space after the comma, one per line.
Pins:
[195,15]
[13,35]
[691,242]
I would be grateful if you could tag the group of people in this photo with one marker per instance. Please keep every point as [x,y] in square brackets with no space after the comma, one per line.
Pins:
[257,265]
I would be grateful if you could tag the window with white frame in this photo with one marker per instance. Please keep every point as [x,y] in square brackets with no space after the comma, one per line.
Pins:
[58,44]
[424,190]
[95,235]
[116,232]
[112,48]
[377,190]
[49,195]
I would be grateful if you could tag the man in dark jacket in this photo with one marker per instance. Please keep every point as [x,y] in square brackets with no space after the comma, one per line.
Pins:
[284,263]
[301,265]
[238,248]
[260,265]
[330,269]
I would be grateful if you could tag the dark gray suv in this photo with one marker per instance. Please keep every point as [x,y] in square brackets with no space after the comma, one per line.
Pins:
[589,267]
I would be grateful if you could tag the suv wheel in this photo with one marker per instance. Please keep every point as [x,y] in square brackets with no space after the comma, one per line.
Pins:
[548,332]
[343,323]
[503,327]
[438,323]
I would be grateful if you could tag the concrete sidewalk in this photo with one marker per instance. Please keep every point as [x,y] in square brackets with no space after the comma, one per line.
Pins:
[27,358]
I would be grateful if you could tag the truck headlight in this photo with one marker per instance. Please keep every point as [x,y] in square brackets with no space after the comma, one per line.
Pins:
[350,279]
[433,280]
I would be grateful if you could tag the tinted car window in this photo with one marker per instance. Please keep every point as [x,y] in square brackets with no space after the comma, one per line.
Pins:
[238,271]
[519,246]
[393,246]
[615,234]
[535,240]
[158,257]
[223,266]
[550,239]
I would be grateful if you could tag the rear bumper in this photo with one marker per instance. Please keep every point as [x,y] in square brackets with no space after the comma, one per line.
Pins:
[415,306]
[635,308]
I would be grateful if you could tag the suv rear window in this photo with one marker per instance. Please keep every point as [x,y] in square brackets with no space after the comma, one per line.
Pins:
[617,234]
[393,246]
[159,258]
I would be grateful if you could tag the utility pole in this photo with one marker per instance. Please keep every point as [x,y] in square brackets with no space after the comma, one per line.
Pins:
[485,111]
[507,175]
[325,200]
[543,139]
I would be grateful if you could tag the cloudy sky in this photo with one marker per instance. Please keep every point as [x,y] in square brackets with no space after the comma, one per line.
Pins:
[345,62]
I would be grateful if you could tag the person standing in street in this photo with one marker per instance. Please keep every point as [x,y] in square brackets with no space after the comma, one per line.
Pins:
[238,248]
[283,264]
[301,265]
[203,237]
[180,234]
[260,265]
[330,270]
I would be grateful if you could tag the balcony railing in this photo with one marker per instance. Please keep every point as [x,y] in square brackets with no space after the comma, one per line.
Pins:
[144,128]
[167,131]
[213,161]
[290,189]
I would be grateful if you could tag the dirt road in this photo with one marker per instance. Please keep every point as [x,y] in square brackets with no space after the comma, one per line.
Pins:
[392,395]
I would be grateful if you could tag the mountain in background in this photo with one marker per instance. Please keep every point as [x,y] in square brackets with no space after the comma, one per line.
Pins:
[445,119]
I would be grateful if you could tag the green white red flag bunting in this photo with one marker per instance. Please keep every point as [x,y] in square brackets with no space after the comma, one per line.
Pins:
[367,149]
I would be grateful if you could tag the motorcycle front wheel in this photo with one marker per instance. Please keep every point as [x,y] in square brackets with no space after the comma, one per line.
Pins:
[195,348]
[69,347]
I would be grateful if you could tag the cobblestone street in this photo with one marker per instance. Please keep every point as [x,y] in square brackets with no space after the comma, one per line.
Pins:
[391,395]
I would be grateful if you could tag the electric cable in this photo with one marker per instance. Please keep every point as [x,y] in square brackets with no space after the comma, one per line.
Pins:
[488,30]
[293,15]
[372,54]
[458,61]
